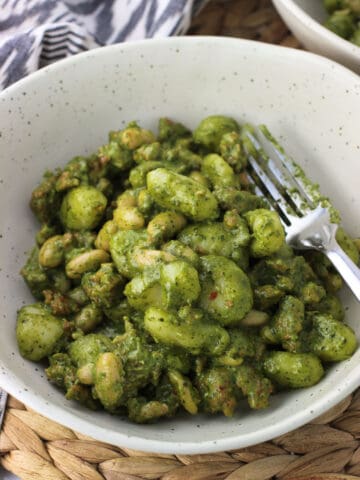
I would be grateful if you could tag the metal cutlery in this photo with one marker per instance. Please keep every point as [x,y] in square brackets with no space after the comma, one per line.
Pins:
[309,219]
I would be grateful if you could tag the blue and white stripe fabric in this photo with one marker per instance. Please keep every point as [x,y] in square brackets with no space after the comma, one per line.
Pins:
[35,33]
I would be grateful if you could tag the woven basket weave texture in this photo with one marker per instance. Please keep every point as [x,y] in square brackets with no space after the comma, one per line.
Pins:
[35,448]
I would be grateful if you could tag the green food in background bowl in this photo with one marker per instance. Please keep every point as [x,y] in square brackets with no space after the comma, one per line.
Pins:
[308,20]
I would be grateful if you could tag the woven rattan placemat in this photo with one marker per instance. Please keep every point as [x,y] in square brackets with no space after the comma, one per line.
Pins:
[35,448]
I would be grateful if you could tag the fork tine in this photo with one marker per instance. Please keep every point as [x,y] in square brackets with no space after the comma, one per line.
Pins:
[267,187]
[298,204]
[306,189]
[257,190]
[266,182]
[293,175]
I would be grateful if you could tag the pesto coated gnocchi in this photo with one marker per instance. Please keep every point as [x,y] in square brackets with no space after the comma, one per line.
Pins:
[162,283]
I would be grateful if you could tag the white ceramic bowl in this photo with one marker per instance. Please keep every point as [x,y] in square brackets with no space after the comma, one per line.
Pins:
[310,103]
[305,19]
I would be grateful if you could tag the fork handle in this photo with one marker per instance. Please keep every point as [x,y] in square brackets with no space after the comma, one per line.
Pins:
[345,266]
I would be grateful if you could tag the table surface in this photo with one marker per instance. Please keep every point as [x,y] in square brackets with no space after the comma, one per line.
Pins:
[4,475]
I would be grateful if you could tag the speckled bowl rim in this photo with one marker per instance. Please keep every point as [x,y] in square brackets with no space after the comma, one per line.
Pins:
[350,382]
[309,22]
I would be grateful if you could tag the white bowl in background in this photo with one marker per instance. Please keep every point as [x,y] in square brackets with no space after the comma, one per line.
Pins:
[305,19]
[67,109]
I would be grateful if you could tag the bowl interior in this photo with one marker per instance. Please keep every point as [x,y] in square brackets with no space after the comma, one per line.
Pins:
[67,109]
[315,10]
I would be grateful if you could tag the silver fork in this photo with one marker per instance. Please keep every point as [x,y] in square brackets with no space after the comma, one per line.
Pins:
[310,221]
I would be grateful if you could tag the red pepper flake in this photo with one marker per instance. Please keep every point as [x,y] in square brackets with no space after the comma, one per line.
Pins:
[213,295]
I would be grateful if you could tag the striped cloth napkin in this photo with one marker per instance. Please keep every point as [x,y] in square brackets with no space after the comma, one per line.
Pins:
[35,33]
